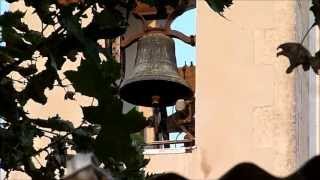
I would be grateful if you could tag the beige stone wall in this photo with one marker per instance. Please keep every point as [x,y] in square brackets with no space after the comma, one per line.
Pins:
[249,109]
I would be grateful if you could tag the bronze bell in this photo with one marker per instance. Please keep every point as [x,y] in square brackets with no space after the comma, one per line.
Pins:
[155,73]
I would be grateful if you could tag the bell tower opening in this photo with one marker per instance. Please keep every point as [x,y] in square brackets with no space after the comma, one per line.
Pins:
[158,74]
[178,134]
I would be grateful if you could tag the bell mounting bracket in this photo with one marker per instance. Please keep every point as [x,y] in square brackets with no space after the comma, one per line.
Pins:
[166,30]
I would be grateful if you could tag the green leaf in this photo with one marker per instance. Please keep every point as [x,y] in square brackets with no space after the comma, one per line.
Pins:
[219,5]
[135,121]
[83,138]
[108,24]
[137,138]
[91,114]
[90,47]
[34,37]
[42,9]
[5,58]
[8,106]
[36,87]
[110,71]
[13,52]
[15,40]
[55,123]
[315,62]
[27,71]
[93,79]
[13,19]
[107,115]
[69,95]
[118,143]
[18,143]
[71,55]
[315,8]
[116,130]
[87,80]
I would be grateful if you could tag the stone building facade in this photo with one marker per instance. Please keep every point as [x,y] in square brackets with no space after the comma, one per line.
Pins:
[247,107]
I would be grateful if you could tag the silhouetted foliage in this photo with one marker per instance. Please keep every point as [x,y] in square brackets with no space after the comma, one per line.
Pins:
[219,5]
[297,53]
[105,130]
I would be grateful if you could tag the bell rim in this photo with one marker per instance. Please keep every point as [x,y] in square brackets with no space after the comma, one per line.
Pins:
[127,91]
[148,77]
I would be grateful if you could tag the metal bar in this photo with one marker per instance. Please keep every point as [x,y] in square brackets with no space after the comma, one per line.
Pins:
[191,40]
[170,142]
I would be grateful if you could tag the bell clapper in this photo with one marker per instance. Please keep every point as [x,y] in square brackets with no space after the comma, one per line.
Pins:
[159,118]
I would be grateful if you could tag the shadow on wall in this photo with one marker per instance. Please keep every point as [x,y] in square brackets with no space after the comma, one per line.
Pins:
[250,171]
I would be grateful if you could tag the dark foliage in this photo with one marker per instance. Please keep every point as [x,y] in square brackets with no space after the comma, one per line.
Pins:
[315,8]
[297,53]
[105,129]
[219,5]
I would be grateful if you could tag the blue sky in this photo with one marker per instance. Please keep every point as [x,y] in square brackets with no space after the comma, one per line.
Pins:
[186,23]
[3,6]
